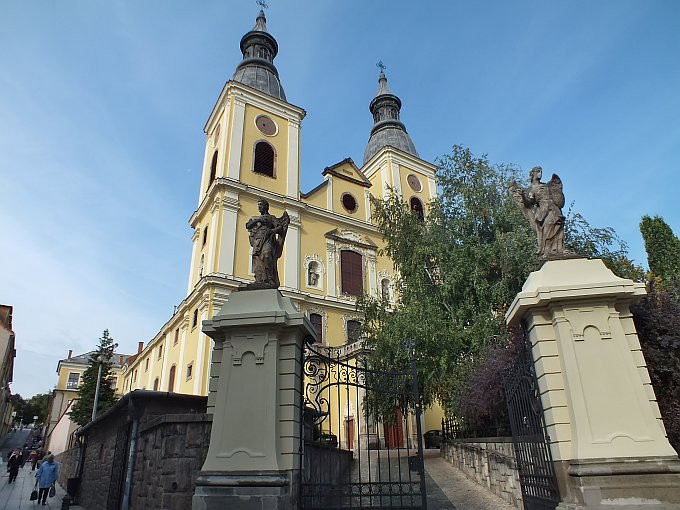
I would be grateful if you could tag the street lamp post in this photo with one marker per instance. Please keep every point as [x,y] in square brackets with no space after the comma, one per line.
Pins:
[100,359]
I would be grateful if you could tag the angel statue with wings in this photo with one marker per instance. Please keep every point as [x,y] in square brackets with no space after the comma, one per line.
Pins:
[267,235]
[541,203]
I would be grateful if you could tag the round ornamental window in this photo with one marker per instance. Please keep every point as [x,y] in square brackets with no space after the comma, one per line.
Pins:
[266,125]
[414,182]
[349,202]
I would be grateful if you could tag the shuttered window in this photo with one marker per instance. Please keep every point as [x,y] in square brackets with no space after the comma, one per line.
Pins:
[264,159]
[317,323]
[351,272]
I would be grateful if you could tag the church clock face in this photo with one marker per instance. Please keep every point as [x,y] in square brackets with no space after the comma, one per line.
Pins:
[266,125]
[414,182]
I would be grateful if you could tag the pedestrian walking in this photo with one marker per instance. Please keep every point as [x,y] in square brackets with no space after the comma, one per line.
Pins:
[33,459]
[24,454]
[46,478]
[13,466]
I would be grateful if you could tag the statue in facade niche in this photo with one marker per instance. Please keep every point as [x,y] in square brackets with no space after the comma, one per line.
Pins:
[267,234]
[541,203]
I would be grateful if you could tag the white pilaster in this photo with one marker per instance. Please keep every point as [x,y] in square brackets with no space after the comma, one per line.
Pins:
[181,371]
[198,363]
[224,135]
[230,206]
[293,158]
[204,174]
[194,248]
[385,178]
[329,194]
[166,355]
[372,277]
[433,187]
[396,181]
[212,239]
[236,142]
[291,276]
[367,202]
[330,278]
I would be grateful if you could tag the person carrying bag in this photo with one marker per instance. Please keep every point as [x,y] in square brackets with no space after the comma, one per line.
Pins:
[47,477]
[34,493]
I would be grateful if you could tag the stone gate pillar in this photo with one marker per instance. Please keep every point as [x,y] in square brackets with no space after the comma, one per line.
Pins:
[607,439]
[254,395]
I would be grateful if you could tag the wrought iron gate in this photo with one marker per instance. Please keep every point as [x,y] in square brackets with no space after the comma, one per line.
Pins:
[118,467]
[362,441]
[529,435]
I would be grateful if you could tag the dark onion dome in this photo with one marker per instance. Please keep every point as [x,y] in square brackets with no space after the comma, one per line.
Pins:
[257,69]
[388,129]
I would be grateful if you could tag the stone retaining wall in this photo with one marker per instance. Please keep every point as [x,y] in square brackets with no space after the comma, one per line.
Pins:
[67,465]
[490,462]
[170,452]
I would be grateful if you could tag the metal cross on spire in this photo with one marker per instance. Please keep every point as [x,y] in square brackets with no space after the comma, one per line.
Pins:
[381,66]
[262,4]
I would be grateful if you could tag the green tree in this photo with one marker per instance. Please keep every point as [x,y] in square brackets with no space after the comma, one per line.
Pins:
[36,406]
[82,409]
[458,271]
[663,249]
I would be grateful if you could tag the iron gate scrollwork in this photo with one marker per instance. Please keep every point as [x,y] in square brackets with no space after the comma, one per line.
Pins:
[362,438]
[529,435]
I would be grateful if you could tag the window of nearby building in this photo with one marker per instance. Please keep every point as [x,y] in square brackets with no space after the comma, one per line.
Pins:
[351,272]
[160,351]
[113,382]
[385,289]
[349,202]
[417,207]
[146,365]
[134,375]
[155,384]
[171,381]
[264,159]
[205,235]
[194,321]
[174,342]
[190,370]
[353,328]
[213,169]
[73,380]
[317,323]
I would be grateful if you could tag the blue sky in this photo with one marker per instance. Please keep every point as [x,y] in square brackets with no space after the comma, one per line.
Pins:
[102,105]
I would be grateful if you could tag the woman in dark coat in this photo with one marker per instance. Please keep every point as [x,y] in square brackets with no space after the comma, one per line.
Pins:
[13,466]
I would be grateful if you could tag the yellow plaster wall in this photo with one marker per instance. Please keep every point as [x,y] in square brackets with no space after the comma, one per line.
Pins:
[252,135]
[319,198]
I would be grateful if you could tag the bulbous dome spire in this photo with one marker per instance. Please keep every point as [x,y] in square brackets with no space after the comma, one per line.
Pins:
[257,68]
[387,128]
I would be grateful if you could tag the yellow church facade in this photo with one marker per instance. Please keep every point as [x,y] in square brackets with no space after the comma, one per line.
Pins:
[331,253]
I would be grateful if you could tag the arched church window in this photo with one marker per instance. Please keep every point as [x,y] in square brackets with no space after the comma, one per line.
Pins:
[385,289]
[213,169]
[155,384]
[313,274]
[171,382]
[417,207]
[317,323]
[264,159]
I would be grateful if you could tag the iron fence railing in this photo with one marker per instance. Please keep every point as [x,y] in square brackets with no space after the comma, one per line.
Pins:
[457,428]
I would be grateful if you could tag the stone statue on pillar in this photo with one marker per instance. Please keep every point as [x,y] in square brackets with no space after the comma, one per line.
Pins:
[267,235]
[541,203]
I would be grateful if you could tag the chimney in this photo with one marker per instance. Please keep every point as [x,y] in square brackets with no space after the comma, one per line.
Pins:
[70,352]
[140,347]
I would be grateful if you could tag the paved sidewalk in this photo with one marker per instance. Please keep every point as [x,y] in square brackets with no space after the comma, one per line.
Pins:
[449,489]
[15,496]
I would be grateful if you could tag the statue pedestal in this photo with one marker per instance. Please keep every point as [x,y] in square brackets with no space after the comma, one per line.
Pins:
[254,395]
[607,438]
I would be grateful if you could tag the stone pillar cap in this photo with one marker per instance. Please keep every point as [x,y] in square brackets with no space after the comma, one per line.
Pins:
[255,308]
[571,279]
